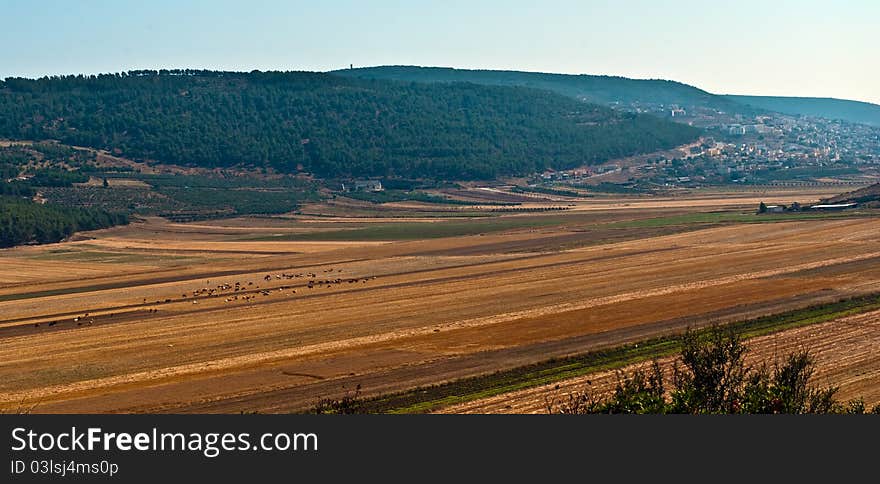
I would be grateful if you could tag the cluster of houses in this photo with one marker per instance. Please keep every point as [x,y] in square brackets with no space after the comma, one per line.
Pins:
[19,178]
[575,174]
[362,186]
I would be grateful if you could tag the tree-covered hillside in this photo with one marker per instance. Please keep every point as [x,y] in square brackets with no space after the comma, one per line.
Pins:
[23,221]
[326,124]
[606,90]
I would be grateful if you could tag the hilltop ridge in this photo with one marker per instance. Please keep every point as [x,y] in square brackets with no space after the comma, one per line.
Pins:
[629,93]
[606,90]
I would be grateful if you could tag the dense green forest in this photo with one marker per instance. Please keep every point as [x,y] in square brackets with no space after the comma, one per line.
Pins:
[606,90]
[23,221]
[326,124]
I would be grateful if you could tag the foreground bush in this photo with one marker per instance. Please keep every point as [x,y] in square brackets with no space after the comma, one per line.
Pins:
[713,378]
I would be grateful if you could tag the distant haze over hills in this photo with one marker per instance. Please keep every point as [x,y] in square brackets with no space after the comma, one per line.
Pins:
[606,90]
[846,110]
[611,90]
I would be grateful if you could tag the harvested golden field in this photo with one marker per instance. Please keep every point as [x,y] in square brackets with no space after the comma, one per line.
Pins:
[846,352]
[271,315]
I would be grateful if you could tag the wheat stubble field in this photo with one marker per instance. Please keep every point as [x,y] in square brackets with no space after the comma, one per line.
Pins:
[846,351]
[270,315]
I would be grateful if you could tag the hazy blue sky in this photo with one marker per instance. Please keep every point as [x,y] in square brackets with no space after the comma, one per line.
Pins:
[784,47]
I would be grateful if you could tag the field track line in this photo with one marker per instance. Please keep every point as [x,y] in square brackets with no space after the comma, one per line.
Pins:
[130,308]
[532,399]
[330,346]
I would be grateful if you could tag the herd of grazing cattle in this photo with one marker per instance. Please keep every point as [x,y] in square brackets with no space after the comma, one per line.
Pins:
[237,291]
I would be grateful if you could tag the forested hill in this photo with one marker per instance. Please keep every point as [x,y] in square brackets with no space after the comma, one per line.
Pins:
[606,90]
[846,110]
[326,124]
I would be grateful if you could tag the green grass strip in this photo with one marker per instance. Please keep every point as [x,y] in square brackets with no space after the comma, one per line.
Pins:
[738,217]
[420,230]
[426,399]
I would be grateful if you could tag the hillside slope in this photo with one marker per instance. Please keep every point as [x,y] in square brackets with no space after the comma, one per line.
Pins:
[328,125]
[869,195]
[846,110]
[606,90]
